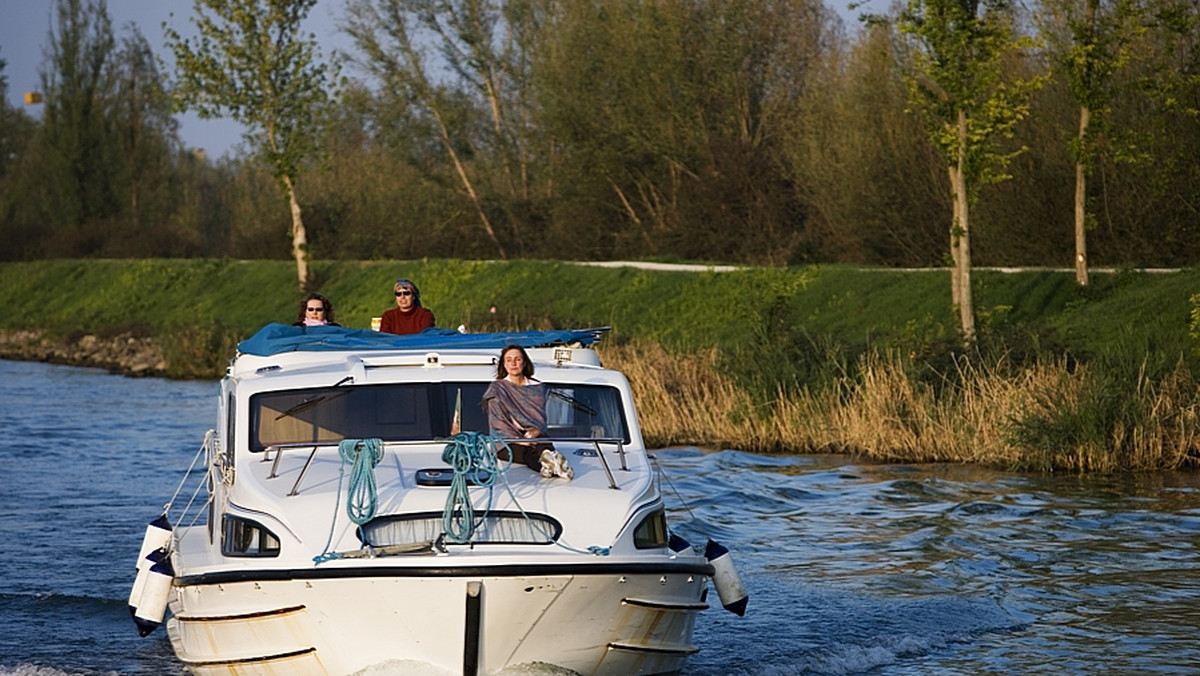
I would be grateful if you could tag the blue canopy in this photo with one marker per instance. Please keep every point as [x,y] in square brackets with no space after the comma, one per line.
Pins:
[277,338]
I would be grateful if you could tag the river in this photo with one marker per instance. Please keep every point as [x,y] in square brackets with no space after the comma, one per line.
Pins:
[852,568]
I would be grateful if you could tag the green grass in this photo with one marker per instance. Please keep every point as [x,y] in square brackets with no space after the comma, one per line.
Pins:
[1063,378]
[804,311]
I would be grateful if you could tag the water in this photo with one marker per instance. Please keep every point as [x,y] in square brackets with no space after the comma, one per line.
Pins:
[852,568]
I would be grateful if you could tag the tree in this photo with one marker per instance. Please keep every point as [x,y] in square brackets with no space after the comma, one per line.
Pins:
[251,61]
[874,185]
[670,118]
[11,123]
[1092,40]
[145,130]
[956,79]
[76,126]
[16,130]
[390,33]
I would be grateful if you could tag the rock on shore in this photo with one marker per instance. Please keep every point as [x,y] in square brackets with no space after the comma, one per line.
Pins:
[123,353]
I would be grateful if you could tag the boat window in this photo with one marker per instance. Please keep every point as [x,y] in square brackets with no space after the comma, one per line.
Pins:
[494,528]
[419,412]
[652,531]
[242,537]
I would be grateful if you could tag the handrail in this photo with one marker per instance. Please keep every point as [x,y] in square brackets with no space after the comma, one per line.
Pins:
[612,483]
[594,441]
[307,463]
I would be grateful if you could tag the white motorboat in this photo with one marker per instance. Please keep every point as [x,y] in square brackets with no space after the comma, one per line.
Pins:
[358,520]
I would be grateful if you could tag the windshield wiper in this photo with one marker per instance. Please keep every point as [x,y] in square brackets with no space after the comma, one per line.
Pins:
[310,403]
[575,403]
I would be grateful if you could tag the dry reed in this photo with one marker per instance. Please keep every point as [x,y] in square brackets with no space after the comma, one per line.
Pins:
[1050,416]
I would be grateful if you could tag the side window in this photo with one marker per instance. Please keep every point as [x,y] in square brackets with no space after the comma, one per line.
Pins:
[243,537]
[651,533]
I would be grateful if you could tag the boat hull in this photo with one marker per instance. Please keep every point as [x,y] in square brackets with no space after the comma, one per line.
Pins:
[593,620]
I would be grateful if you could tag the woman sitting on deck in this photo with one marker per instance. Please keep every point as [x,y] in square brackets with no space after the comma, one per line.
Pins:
[516,409]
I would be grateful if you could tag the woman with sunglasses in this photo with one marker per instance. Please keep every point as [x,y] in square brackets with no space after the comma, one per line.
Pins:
[408,316]
[316,310]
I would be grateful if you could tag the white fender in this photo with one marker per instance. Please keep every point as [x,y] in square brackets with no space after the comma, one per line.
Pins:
[158,534]
[678,544]
[733,594]
[152,604]
[139,582]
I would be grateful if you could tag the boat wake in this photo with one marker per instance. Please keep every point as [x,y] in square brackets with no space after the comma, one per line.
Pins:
[816,630]
[34,670]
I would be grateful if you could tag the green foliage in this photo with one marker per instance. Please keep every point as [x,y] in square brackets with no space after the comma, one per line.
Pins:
[251,61]
[957,53]
[480,113]
[850,130]
[14,126]
[190,352]
[100,174]
[1115,398]
[1092,41]
[723,130]
[670,116]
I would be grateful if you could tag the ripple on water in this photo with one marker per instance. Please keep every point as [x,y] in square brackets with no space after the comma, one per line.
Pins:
[933,569]
[851,567]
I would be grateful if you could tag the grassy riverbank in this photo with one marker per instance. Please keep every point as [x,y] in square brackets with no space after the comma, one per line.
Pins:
[796,360]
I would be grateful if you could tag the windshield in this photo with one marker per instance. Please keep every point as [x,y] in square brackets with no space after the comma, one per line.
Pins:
[419,412]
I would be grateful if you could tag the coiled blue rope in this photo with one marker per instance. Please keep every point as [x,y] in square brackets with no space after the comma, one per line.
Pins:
[472,456]
[362,499]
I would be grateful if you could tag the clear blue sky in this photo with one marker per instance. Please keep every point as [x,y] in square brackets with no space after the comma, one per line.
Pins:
[25,26]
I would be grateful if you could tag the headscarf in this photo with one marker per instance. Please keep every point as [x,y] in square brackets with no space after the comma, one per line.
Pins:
[409,283]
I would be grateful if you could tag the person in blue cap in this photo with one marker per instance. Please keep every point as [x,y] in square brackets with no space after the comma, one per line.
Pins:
[408,316]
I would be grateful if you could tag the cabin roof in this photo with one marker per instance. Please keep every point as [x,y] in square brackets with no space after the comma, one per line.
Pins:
[324,351]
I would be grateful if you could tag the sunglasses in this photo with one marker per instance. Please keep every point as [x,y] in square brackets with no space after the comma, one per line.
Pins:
[315,309]
[404,293]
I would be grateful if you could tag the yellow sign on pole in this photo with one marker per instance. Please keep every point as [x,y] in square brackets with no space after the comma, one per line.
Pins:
[32,98]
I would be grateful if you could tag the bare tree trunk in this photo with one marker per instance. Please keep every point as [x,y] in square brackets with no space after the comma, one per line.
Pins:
[1081,265]
[134,190]
[466,181]
[955,252]
[299,236]
[493,97]
[960,237]
[417,76]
